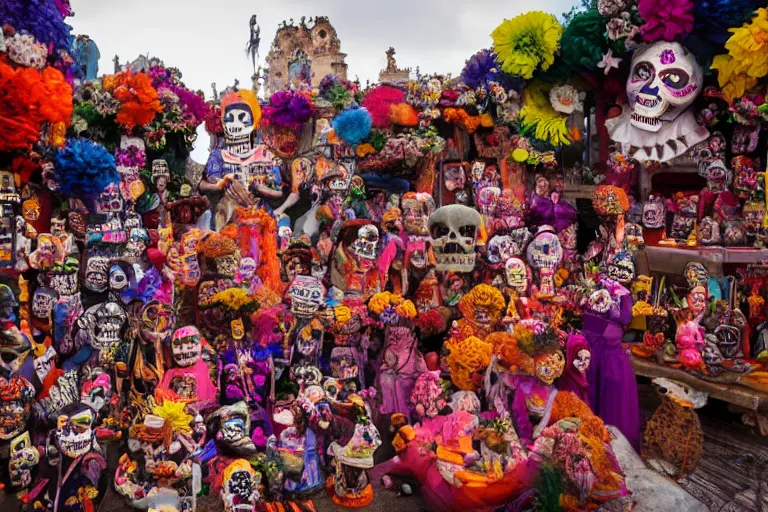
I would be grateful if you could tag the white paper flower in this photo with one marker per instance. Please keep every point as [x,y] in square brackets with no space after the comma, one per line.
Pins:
[565,99]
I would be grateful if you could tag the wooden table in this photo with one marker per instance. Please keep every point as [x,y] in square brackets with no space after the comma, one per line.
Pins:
[740,396]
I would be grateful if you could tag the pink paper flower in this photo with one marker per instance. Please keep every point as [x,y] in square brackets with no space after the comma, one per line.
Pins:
[665,19]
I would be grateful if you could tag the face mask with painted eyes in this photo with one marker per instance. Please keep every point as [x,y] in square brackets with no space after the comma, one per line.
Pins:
[118,281]
[583,358]
[549,367]
[238,122]
[664,80]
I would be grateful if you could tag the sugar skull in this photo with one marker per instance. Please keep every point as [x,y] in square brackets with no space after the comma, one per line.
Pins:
[697,299]
[138,240]
[16,395]
[43,301]
[186,346]
[654,213]
[240,489]
[245,271]
[97,273]
[157,322]
[718,176]
[696,274]
[416,208]
[23,459]
[454,176]
[518,275]
[102,327]
[118,279]
[544,253]
[110,200]
[366,244]
[454,230]
[621,268]
[664,80]
[307,294]
[74,430]
[238,121]
[582,360]
[549,366]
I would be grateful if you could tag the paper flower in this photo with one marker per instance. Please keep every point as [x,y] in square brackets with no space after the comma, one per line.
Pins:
[139,102]
[538,116]
[747,58]
[665,19]
[610,8]
[466,357]
[353,125]
[583,43]
[609,62]
[527,42]
[287,109]
[480,69]
[379,103]
[565,99]
[84,168]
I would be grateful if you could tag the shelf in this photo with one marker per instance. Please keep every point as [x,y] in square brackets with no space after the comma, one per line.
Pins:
[673,260]
[573,191]
[733,393]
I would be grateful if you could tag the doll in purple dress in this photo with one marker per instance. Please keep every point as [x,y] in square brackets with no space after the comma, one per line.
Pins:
[578,357]
[612,384]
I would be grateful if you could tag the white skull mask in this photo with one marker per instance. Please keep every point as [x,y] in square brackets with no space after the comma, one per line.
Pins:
[307,294]
[582,360]
[516,272]
[238,122]
[186,346]
[74,430]
[366,243]
[500,248]
[454,229]
[664,80]
[103,324]
[118,280]
[545,253]
[43,301]
[96,273]
[246,270]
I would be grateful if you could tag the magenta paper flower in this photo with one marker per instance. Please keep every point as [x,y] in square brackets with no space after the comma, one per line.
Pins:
[665,19]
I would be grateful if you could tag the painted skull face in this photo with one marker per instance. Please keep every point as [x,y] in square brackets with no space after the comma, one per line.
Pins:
[487,199]
[97,273]
[718,176]
[227,265]
[582,360]
[633,234]
[548,367]
[118,280]
[238,122]
[500,248]
[454,230]
[654,212]
[417,207]
[622,268]
[343,363]
[697,299]
[17,394]
[240,490]
[454,176]
[157,322]
[307,294]
[110,200]
[246,270]
[103,325]
[186,346]
[74,430]
[516,272]
[24,457]
[138,239]
[366,244]
[600,301]
[43,301]
[696,274]
[664,80]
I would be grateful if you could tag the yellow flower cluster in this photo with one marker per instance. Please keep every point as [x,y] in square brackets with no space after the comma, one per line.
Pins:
[466,357]
[747,58]
[482,296]
[527,42]
[174,414]
[233,298]
[381,301]
[537,115]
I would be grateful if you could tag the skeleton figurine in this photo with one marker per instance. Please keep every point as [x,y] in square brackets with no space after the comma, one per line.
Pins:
[663,82]
[354,270]
[306,295]
[544,254]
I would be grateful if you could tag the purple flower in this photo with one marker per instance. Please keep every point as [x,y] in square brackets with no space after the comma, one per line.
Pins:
[288,109]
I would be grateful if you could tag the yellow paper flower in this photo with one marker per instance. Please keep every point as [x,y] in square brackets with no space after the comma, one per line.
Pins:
[466,357]
[537,115]
[174,413]
[527,42]
[406,310]
[747,58]
[364,150]
[520,155]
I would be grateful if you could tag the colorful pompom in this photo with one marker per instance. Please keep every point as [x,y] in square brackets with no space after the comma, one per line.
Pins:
[84,168]
[352,126]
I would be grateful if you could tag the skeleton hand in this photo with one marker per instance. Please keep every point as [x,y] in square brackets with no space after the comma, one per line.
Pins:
[238,193]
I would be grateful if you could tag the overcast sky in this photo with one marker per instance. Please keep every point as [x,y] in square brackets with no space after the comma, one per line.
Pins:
[206,39]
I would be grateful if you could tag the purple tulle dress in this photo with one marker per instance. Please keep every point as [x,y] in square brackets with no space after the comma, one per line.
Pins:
[612,383]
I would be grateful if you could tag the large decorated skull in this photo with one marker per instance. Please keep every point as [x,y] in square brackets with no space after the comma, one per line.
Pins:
[663,82]
[74,430]
[97,273]
[307,293]
[240,490]
[238,121]
[186,346]
[366,244]
[454,230]
[545,253]
[102,326]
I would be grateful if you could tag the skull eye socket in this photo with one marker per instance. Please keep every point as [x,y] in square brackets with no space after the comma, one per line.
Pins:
[440,231]
[468,230]
[643,72]
[675,78]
